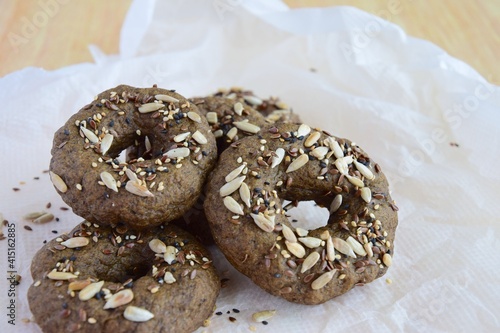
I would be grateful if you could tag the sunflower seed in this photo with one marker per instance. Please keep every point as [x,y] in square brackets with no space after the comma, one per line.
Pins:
[169,278]
[120,298]
[245,194]
[262,222]
[136,314]
[337,150]
[355,181]
[330,249]
[178,152]
[194,116]
[55,275]
[235,173]
[181,137]
[296,249]
[320,152]
[33,215]
[150,107]
[341,165]
[288,234]
[75,242]
[170,254]
[200,138]
[336,203]
[312,139]
[310,261]
[136,188]
[364,170]
[131,175]
[298,163]
[356,246]
[387,259]
[232,186]
[232,133]
[44,218]
[323,280]
[342,246]
[90,291]
[212,117]
[252,100]
[366,194]
[233,205]
[166,98]
[303,130]
[147,143]
[109,181]
[78,285]
[58,183]
[247,127]
[238,108]
[89,135]
[106,142]
[263,315]
[368,249]
[157,246]
[276,160]
[310,242]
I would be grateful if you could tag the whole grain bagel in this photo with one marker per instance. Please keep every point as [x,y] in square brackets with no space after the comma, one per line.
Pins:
[103,279]
[244,207]
[180,151]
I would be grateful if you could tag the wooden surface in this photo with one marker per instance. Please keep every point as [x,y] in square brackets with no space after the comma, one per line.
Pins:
[57,34]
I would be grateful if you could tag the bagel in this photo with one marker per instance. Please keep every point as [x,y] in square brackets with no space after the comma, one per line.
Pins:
[244,207]
[143,192]
[103,279]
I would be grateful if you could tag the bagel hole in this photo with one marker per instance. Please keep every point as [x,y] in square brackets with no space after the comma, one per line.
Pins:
[308,215]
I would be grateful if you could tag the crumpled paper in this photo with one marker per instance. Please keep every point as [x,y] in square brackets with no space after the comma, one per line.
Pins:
[428,119]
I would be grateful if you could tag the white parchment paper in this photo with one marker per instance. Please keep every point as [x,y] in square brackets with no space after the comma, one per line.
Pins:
[429,120]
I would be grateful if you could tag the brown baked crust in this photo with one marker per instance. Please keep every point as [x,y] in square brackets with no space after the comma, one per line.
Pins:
[274,259]
[79,163]
[115,256]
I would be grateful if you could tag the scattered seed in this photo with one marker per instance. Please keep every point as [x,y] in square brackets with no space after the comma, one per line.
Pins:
[137,314]
[157,246]
[343,247]
[247,127]
[330,249]
[298,163]
[366,194]
[336,203]
[312,139]
[289,235]
[106,142]
[166,98]
[387,259]
[231,186]
[200,138]
[310,261]
[368,248]
[262,222]
[55,275]
[120,298]
[235,173]
[75,242]
[57,181]
[109,181]
[303,130]
[245,194]
[169,278]
[89,135]
[90,291]
[233,205]
[194,116]
[276,160]
[78,285]
[181,137]
[364,170]
[263,315]
[296,249]
[355,181]
[150,107]
[323,279]
[212,117]
[33,215]
[44,218]
[356,246]
[310,242]
[170,254]
[238,108]
[319,152]
[137,188]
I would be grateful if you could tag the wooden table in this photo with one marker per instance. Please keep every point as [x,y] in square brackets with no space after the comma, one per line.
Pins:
[55,33]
